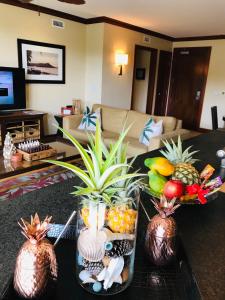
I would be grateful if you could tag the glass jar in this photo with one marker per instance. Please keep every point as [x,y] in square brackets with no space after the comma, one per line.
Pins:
[106,239]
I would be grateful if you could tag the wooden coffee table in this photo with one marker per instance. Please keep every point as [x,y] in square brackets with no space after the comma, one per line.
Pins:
[65,152]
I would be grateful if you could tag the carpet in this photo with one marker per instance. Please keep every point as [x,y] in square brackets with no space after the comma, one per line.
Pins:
[28,182]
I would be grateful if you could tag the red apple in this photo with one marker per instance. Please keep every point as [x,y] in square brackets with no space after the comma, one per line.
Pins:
[173,188]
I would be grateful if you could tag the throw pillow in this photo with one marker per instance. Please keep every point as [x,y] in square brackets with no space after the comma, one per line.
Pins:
[150,130]
[89,119]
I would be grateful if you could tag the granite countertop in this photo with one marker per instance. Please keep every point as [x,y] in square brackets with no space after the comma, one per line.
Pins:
[202,228]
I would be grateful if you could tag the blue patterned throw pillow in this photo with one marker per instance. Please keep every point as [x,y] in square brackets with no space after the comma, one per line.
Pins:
[150,130]
[89,119]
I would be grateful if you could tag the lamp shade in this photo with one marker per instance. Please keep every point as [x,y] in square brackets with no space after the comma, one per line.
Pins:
[121,59]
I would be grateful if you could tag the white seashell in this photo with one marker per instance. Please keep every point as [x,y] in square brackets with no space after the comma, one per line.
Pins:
[111,236]
[89,280]
[118,280]
[91,245]
[84,275]
[114,270]
[102,274]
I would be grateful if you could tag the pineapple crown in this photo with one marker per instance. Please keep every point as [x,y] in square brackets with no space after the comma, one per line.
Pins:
[165,207]
[36,230]
[106,170]
[175,153]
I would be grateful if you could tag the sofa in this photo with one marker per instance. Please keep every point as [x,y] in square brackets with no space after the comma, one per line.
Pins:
[112,123]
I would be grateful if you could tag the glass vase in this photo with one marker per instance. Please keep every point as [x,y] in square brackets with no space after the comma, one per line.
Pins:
[106,240]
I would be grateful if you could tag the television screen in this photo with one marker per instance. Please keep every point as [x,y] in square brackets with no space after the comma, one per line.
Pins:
[6,88]
[12,88]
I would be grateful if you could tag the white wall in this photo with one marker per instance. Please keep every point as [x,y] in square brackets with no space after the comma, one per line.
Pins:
[21,23]
[116,90]
[140,89]
[94,62]
[215,87]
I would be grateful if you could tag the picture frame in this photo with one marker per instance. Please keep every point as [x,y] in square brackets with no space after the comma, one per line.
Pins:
[43,62]
[140,73]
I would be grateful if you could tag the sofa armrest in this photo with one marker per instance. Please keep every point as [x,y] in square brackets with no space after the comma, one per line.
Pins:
[71,122]
[156,142]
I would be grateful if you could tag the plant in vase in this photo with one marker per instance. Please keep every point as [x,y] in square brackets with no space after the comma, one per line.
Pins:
[106,225]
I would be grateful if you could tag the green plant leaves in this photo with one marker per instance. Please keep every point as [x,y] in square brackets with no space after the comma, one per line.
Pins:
[106,175]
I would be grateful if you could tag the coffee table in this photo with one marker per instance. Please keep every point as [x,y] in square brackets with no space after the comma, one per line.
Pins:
[65,152]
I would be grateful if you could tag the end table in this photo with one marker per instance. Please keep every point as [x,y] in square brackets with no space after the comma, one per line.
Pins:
[59,120]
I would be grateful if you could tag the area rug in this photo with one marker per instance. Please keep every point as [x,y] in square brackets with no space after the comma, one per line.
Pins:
[28,182]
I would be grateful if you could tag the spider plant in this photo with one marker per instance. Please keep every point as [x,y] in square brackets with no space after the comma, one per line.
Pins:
[103,173]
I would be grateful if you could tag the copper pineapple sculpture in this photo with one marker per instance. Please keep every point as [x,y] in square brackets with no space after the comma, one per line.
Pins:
[36,260]
[161,232]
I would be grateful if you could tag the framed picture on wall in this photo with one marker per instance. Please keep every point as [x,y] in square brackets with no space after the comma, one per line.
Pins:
[43,62]
[140,73]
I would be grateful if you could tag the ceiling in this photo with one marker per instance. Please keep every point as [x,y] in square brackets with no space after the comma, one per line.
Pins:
[176,18]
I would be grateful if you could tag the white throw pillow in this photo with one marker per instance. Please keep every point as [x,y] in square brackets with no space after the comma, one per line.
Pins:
[89,119]
[150,130]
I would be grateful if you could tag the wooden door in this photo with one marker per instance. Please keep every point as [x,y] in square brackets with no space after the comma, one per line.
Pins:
[187,86]
[162,83]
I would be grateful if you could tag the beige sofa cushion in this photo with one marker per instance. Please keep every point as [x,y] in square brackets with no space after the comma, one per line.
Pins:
[169,123]
[80,135]
[139,120]
[134,147]
[113,119]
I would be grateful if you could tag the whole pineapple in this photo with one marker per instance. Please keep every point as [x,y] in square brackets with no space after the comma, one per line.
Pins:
[122,219]
[182,160]
[36,261]
[161,232]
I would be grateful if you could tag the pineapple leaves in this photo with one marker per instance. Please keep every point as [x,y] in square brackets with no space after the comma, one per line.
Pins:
[175,154]
[107,176]
[85,157]
[79,172]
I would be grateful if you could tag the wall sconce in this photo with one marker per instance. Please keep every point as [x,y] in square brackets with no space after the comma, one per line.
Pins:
[121,60]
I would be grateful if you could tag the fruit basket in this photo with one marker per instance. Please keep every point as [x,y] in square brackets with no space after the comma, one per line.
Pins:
[174,176]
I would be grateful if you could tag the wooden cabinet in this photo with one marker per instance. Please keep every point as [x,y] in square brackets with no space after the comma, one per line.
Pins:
[23,125]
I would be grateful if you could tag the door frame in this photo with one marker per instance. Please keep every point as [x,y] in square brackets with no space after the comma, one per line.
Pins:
[151,77]
[204,80]
[167,90]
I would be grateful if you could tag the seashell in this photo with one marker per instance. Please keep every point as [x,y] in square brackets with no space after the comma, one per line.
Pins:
[118,280]
[97,286]
[113,271]
[89,280]
[84,275]
[102,274]
[108,246]
[106,261]
[91,245]
[94,268]
[112,236]
[125,274]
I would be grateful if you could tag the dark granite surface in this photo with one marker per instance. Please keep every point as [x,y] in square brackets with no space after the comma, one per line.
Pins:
[202,228]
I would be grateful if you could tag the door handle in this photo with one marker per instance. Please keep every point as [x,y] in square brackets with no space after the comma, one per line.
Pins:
[197,95]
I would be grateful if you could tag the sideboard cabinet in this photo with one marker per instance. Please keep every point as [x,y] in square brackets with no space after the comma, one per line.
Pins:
[22,125]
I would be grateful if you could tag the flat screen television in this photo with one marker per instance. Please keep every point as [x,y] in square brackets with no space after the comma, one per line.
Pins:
[12,88]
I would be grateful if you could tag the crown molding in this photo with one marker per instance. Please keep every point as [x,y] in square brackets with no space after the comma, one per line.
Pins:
[44,10]
[115,22]
[56,13]
[103,19]
[200,38]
